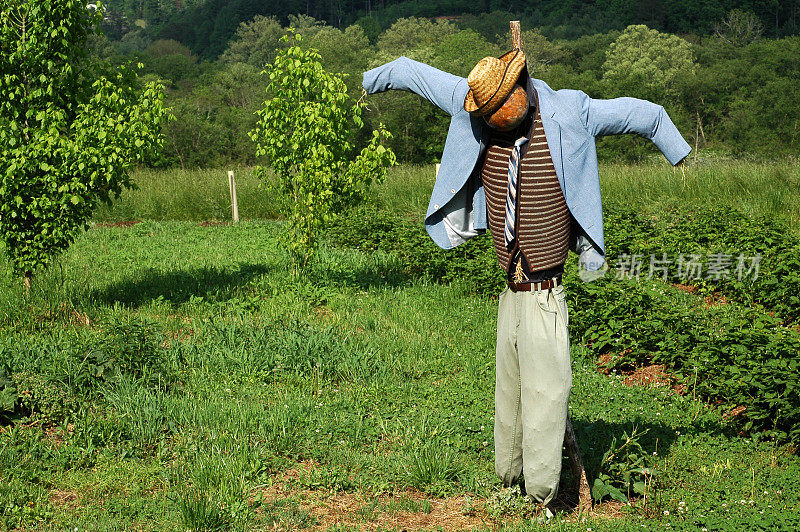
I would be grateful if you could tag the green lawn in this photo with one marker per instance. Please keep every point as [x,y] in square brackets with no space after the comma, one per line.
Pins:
[177,376]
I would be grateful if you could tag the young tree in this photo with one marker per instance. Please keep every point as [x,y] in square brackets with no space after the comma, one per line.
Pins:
[69,133]
[740,28]
[304,130]
[646,63]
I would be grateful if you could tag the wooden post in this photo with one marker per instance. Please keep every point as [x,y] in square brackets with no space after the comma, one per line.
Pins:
[516,34]
[570,441]
[576,465]
[234,201]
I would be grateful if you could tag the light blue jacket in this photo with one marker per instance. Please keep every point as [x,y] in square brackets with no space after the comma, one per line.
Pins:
[571,120]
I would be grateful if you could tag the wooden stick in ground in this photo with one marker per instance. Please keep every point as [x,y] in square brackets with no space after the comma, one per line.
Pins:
[516,34]
[576,464]
[234,201]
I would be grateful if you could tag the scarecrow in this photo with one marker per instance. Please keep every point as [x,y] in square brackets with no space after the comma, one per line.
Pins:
[520,160]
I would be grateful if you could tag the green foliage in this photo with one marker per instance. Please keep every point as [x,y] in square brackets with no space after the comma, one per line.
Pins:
[200,510]
[645,63]
[68,134]
[431,468]
[740,28]
[737,98]
[458,53]
[255,43]
[625,470]
[412,33]
[304,131]
[171,61]
[213,119]
[372,230]
[506,502]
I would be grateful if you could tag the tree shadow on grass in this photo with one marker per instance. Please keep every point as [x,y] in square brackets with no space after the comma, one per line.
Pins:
[364,277]
[179,286]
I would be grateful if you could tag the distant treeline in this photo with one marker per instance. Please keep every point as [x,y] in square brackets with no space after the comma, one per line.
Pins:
[206,26]
[734,91]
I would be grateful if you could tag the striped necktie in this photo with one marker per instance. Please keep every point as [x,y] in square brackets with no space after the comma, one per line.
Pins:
[511,196]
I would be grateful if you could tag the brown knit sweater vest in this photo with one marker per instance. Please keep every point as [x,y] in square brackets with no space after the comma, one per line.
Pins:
[543,219]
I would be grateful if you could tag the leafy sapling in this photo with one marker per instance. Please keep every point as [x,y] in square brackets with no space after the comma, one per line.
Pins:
[305,131]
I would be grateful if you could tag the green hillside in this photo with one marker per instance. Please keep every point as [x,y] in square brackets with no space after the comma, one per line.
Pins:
[205,26]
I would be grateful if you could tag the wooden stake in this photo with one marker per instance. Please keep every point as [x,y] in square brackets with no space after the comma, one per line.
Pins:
[234,201]
[516,34]
[576,465]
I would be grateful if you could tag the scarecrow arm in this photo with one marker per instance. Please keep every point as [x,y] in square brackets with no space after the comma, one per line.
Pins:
[632,115]
[436,86]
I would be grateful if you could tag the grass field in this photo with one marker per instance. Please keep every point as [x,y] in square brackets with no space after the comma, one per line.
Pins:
[176,375]
[769,189]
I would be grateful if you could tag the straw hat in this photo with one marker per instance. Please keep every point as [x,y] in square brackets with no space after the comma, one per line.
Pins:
[491,81]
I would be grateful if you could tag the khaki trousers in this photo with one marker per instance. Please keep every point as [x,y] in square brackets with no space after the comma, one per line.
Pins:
[534,377]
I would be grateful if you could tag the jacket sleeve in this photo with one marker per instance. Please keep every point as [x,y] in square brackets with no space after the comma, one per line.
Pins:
[631,115]
[403,73]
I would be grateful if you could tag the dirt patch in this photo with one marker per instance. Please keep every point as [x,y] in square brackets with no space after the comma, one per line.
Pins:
[119,224]
[715,299]
[685,288]
[80,319]
[213,223]
[181,335]
[736,411]
[604,363]
[56,435]
[67,499]
[655,375]
[405,509]
[608,362]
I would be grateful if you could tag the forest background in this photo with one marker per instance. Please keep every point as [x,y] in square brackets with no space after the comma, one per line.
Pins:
[726,71]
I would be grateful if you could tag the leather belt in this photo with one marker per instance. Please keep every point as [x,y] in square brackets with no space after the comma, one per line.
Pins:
[535,287]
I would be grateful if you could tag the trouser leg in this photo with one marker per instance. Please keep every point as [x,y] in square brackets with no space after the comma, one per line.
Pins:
[507,404]
[546,380]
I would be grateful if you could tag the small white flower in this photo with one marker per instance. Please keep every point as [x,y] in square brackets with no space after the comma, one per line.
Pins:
[666,512]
